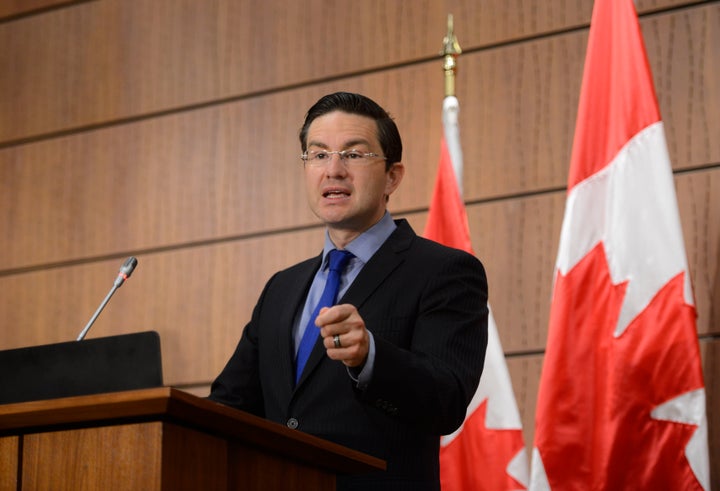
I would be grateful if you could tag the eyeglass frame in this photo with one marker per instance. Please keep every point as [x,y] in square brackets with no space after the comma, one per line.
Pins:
[343,154]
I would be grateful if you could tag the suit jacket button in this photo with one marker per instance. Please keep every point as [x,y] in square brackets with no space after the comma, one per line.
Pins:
[292,423]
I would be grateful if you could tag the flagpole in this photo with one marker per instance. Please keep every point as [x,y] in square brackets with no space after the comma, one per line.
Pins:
[451,50]
[451,107]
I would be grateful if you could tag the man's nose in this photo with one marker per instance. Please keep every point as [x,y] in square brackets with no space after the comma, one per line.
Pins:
[336,165]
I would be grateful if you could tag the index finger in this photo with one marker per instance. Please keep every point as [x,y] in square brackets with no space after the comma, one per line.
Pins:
[334,314]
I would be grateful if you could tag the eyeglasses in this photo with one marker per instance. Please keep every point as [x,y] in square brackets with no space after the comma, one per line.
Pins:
[317,158]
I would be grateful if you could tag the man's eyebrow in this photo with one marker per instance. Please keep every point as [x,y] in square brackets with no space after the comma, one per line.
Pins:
[359,141]
[313,143]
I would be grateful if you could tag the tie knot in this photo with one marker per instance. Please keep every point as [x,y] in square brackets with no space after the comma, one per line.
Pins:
[339,259]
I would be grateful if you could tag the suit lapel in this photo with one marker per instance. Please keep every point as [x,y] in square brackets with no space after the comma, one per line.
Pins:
[381,265]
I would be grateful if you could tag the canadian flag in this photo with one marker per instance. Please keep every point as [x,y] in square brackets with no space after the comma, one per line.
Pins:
[487,452]
[621,403]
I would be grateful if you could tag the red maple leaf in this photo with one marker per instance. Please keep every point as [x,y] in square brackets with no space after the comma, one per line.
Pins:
[594,425]
[478,457]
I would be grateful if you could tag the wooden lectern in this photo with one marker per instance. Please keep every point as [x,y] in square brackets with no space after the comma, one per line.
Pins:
[161,439]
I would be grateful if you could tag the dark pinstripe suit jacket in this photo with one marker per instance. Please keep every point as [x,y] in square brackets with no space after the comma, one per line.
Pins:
[426,306]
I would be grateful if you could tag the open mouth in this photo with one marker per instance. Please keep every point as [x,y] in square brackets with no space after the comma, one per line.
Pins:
[335,194]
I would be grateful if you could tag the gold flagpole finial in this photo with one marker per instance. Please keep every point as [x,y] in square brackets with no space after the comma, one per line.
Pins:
[450,52]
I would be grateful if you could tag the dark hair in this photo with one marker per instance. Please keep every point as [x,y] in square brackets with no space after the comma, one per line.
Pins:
[387,131]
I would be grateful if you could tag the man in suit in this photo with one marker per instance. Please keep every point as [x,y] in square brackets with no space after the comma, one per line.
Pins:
[394,364]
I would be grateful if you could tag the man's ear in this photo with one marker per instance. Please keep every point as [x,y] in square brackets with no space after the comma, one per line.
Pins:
[394,176]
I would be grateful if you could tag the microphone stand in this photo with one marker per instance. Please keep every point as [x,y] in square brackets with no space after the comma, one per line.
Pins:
[97,312]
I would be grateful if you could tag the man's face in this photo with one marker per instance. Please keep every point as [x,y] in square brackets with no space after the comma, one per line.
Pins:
[348,196]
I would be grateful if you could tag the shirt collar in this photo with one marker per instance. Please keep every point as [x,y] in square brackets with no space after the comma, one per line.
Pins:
[367,243]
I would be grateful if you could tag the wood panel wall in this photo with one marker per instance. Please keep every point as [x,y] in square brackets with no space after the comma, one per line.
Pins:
[167,129]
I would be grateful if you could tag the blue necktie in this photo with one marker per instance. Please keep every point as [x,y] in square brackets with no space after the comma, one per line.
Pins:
[338,261]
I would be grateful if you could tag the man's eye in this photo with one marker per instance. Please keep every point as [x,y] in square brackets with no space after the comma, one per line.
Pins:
[320,155]
[354,155]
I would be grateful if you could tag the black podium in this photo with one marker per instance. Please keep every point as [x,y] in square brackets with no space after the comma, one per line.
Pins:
[92,366]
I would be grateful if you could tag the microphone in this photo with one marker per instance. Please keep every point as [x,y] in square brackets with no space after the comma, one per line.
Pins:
[125,271]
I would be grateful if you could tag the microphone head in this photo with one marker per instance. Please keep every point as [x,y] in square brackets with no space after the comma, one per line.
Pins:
[125,271]
[128,267]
